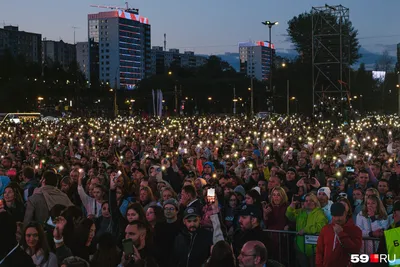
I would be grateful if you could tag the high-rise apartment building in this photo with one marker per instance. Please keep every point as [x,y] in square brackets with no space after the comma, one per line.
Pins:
[63,53]
[26,44]
[255,59]
[82,57]
[119,48]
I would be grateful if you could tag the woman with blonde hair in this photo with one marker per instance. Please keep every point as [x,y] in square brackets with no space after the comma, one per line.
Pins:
[372,220]
[274,214]
[309,220]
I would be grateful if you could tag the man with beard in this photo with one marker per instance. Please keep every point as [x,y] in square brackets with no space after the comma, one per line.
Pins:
[338,240]
[139,233]
[192,246]
[250,216]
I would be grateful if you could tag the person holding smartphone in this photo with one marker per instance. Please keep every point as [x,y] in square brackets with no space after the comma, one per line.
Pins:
[137,246]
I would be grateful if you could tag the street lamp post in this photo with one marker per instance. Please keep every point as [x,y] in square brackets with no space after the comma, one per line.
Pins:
[270,24]
[287,92]
[234,100]
[176,94]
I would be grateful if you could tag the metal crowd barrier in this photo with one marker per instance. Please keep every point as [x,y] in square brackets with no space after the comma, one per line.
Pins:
[283,248]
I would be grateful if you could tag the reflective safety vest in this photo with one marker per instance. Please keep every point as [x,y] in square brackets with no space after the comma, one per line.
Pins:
[392,238]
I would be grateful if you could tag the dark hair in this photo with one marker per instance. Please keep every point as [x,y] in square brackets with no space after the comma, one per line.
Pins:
[107,253]
[159,212]
[139,210]
[17,191]
[221,255]
[56,210]
[255,196]
[81,236]
[363,171]
[75,262]
[29,172]
[42,243]
[73,215]
[144,226]
[190,190]
[50,178]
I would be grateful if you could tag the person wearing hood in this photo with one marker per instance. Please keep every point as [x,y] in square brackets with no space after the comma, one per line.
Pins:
[324,194]
[338,240]
[44,199]
[208,169]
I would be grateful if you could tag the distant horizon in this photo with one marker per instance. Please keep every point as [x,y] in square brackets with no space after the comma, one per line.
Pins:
[208,26]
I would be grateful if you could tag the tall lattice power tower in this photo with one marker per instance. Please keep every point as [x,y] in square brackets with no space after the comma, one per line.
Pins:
[330,54]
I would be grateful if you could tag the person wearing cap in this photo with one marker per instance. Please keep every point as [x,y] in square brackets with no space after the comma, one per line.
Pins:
[249,220]
[193,244]
[324,195]
[166,232]
[390,241]
[338,240]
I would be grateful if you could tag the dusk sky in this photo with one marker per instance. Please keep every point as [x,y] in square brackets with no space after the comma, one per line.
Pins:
[206,26]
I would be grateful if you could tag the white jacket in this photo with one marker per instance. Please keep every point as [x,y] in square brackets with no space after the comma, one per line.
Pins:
[367,226]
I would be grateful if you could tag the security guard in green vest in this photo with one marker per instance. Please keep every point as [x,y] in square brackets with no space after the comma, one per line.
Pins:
[390,241]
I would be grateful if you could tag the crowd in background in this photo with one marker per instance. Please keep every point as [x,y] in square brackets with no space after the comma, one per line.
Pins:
[197,191]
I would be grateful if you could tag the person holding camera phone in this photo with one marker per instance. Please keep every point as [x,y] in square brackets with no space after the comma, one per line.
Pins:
[137,246]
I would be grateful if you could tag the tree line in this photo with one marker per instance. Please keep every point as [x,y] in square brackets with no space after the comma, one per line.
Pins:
[211,88]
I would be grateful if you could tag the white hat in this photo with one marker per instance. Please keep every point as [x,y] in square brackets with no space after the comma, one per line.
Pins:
[325,190]
[257,189]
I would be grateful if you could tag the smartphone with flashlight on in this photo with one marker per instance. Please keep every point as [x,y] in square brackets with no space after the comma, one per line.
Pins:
[211,195]
[117,175]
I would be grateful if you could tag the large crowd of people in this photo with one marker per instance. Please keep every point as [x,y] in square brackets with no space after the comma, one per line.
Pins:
[198,191]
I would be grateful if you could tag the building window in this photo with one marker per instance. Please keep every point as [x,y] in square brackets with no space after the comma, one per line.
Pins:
[107,44]
[107,62]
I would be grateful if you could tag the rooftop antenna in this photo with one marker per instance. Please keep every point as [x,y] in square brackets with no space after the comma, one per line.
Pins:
[165,42]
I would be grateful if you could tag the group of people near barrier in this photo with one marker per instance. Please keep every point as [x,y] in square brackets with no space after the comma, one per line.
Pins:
[200,191]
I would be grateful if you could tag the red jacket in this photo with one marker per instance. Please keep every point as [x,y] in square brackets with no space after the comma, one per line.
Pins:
[338,254]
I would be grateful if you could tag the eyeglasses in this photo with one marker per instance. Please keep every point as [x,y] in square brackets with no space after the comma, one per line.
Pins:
[254,173]
[389,196]
[247,255]
[169,209]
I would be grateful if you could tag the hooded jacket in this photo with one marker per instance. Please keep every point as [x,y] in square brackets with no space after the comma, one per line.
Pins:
[335,251]
[312,224]
[42,201]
